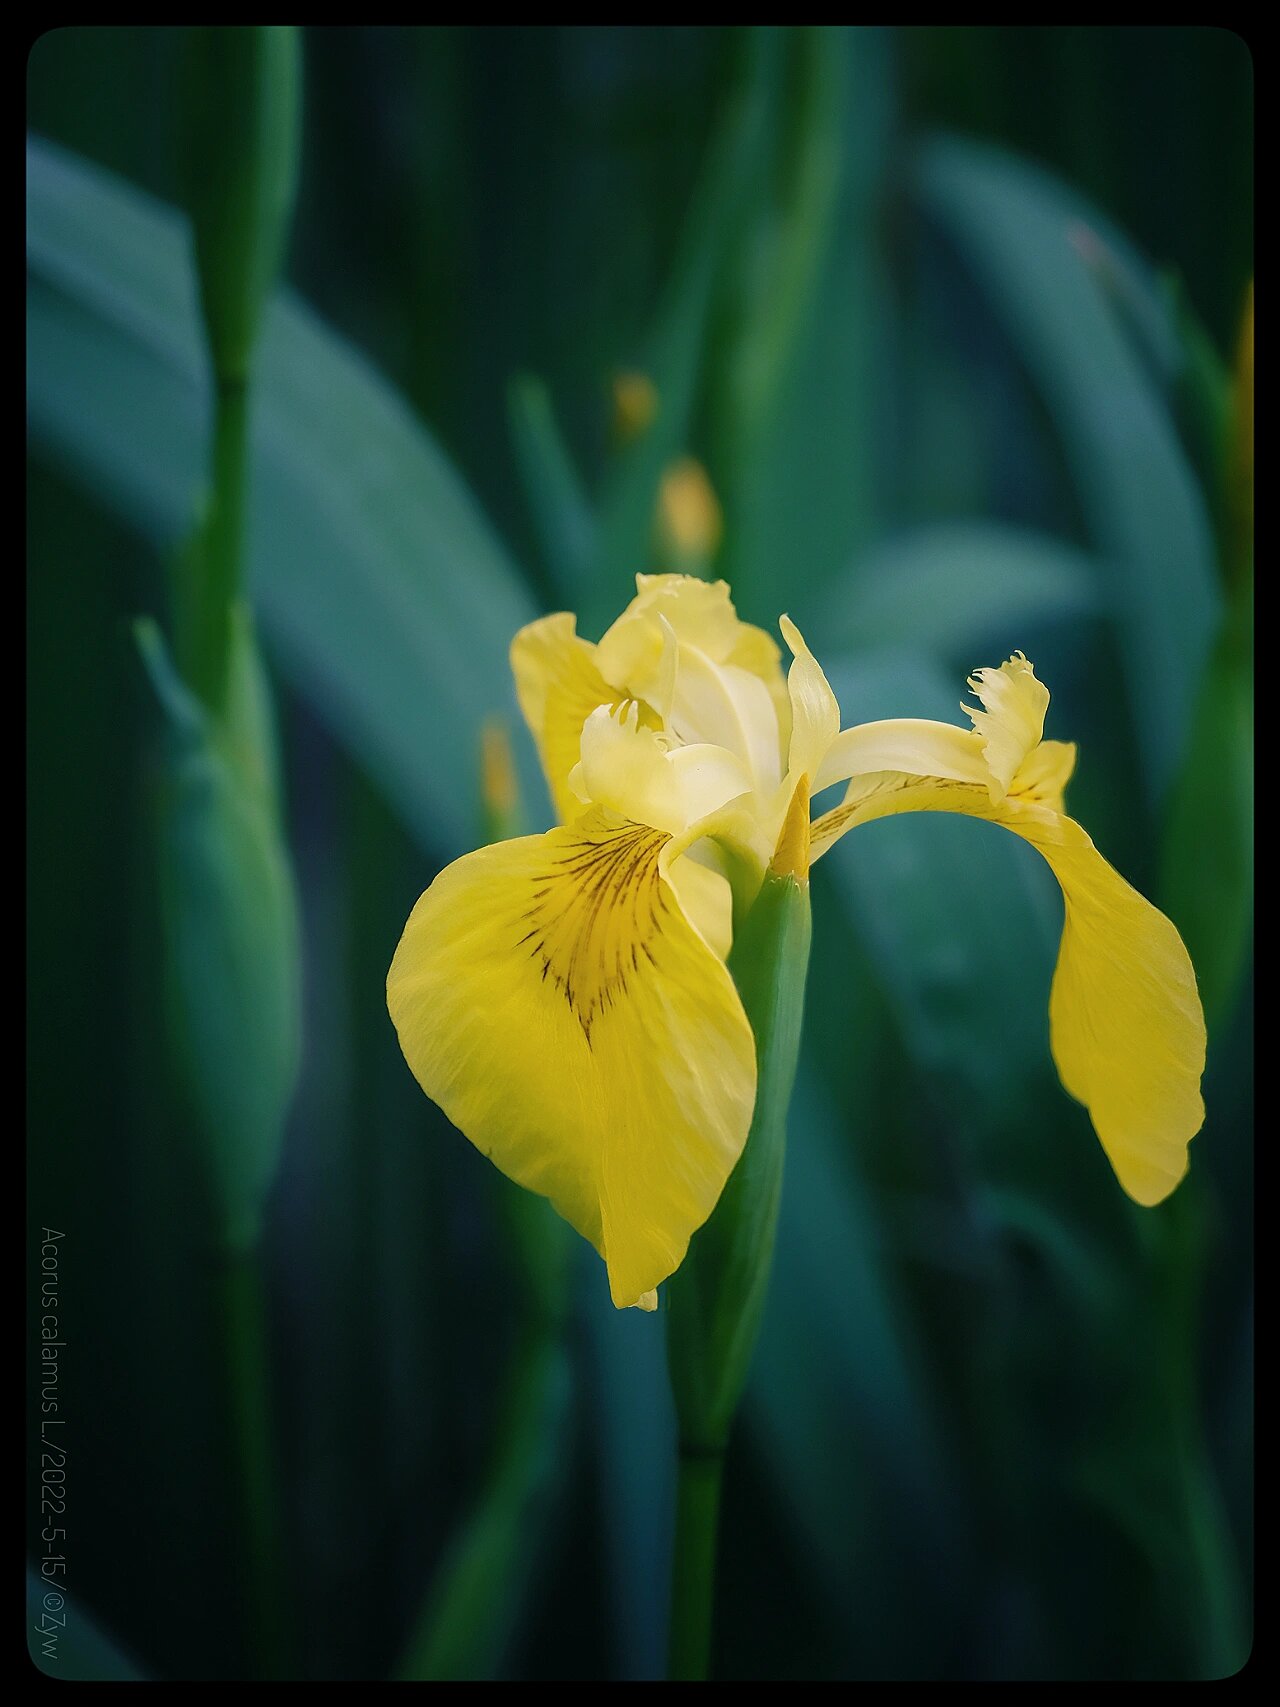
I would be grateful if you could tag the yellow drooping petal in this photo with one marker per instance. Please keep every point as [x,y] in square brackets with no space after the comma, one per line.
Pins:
[705,899]
[559,685]
[1126,1025]
[1012,719]
[815,714]
[551,996]
[1125,1020]
[1045,773]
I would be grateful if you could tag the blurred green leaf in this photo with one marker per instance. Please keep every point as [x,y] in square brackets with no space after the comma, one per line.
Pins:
[467,1624]
[946,586]
[1027,239]
[782,240]
[376,577]
[837,1398]
[561,513]
[812,487]
[1203,395]
[1207,871]
[675,350]
[1239,438]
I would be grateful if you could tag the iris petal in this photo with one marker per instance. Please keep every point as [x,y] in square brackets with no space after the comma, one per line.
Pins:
[1126,1025]
[550,994]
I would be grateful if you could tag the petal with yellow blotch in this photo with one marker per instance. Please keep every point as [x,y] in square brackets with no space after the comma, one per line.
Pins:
[552,997]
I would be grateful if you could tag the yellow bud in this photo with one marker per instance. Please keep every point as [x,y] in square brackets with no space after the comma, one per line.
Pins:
[635,403]
[499,791]
[791,856]
[689,517]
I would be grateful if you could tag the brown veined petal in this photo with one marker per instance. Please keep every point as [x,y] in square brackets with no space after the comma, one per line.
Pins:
[551,996]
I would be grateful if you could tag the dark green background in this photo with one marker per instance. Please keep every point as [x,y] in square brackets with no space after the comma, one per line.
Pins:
[1000,1421]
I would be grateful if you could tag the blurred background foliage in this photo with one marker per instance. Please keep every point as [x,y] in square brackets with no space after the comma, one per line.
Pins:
[951,317]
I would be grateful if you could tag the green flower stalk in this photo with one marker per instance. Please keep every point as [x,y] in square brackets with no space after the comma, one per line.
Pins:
[242,135]
[243,128]
[717,1295]
[227,887]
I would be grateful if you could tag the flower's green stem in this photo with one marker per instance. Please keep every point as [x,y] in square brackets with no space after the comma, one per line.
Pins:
[693,1572]
[218,565]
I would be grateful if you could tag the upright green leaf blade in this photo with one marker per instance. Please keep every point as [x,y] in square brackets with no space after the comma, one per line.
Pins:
[948,585]
[558,506]
[1020,231]
[386,595]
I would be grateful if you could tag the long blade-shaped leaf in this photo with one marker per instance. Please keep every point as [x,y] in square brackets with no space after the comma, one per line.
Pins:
[387,597]
[1029,240]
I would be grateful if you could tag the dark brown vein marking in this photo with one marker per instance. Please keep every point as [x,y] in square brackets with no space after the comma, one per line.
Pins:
[598,905]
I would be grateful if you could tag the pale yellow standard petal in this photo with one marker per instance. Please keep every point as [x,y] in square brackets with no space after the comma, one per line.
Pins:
[551,996]
[559,685]
[759,655]
[815,713]
[914,746]
[681,648]
[1126,1025]
[1011,721]
[700,612]
[640,774]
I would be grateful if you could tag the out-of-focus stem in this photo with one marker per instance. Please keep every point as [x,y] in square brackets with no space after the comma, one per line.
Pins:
[694,1564]
[217,566]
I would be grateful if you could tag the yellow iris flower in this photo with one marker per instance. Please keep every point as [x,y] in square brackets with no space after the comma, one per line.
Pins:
[565,998]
